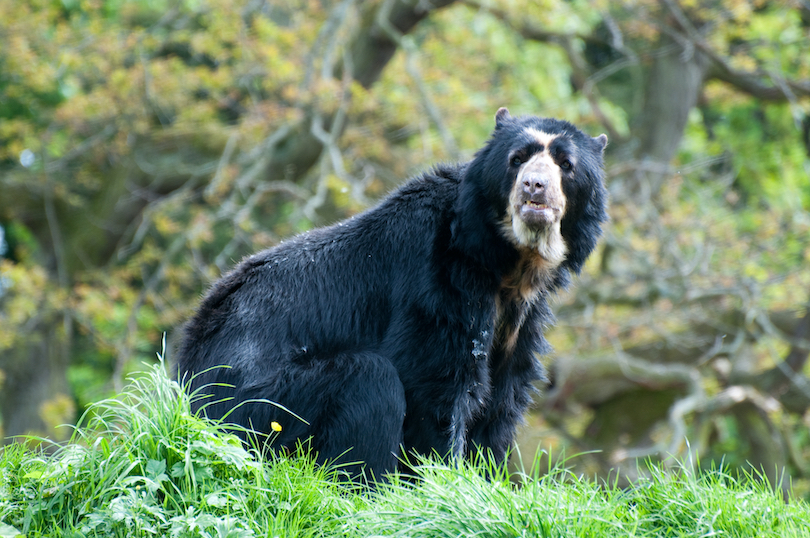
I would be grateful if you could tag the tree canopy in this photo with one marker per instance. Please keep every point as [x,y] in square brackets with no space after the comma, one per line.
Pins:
[146,146]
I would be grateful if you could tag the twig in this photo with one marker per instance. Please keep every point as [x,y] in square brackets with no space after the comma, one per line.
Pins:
[411,52]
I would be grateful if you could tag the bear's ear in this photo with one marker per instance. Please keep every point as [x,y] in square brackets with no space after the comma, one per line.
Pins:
[501,116]
[601,140]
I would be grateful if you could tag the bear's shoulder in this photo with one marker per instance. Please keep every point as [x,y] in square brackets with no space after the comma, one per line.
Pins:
[405,219]
[437,187]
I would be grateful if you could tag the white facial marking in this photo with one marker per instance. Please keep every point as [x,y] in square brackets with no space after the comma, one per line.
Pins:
[542,137]
[546,240]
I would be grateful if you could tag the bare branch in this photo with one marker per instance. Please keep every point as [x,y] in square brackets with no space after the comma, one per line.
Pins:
[786,381]
[81,148]
[752,82]
[216,181]
[407,45]
[583,80]
[369,52]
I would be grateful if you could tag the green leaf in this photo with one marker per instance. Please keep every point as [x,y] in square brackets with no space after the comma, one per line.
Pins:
[7,531]
[155,468]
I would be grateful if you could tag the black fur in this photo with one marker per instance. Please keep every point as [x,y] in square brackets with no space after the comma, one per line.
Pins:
[380,331]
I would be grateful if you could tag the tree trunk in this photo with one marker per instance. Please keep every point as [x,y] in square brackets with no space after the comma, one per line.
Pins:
[673,86]
[767,454]
[35,397]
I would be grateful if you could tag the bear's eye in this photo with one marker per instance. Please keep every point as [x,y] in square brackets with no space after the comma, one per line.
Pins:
[516,161]
[566,164]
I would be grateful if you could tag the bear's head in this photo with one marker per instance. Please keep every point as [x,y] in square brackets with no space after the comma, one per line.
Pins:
[544,182]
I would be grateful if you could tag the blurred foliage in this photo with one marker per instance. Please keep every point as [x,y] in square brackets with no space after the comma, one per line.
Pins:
[132,135]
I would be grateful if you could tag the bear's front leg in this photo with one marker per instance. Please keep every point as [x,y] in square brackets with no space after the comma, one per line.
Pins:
[447,392]
[513,384]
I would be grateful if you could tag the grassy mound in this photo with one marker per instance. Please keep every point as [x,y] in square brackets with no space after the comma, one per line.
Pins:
[142,465]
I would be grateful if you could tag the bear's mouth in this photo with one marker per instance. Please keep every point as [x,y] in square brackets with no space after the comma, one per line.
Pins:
[537,205]
[538,213]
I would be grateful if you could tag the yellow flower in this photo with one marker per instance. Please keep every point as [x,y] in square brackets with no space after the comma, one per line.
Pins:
[276,426]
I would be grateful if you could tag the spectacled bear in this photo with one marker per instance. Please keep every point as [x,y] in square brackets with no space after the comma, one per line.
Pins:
[414,326]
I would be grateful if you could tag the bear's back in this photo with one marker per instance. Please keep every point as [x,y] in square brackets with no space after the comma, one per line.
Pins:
[331,287]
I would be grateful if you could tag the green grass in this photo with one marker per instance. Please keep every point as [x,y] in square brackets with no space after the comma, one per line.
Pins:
[142,465]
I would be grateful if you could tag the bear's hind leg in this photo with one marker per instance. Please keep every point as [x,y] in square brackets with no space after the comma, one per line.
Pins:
[354,404]
[366,413]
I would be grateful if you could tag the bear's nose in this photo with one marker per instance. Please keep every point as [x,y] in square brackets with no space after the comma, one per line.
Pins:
[535,183]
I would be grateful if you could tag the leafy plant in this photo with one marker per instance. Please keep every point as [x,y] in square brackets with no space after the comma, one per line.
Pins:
[141,465]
